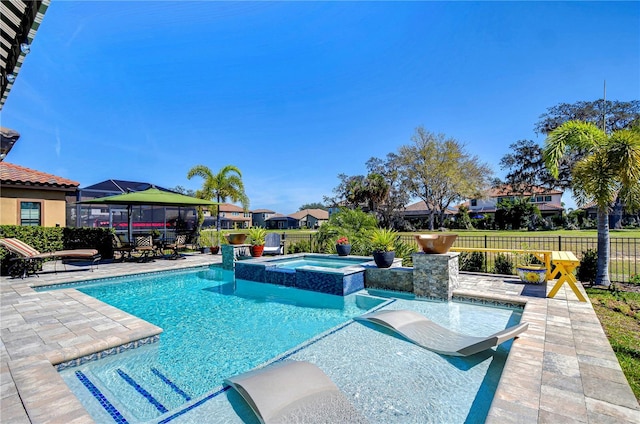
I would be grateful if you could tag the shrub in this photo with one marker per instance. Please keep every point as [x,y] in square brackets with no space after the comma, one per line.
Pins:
[299,247]
[472,261]
[588,268]
[405,251]
[503,265]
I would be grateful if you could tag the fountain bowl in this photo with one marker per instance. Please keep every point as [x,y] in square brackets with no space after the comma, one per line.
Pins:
[236,238]
[435,243]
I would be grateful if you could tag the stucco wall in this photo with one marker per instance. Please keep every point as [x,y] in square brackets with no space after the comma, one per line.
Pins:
[53,205]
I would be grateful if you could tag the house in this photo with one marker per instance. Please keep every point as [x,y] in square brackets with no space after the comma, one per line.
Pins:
[418,215]
[259,217]
[30,197]
[618,216]
[279,221]
[307,218]
[548,201]
[310,218]
[232,216]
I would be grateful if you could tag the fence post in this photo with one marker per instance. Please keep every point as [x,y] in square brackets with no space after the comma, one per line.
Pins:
[486,256]
[559,242]
[310,244]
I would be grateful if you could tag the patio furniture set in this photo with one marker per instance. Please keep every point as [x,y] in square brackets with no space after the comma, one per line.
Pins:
[147,248]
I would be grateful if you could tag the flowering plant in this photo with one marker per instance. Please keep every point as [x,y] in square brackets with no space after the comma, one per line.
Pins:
[342,240]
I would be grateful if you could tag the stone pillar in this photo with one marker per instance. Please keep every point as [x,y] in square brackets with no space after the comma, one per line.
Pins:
[231,252]
[435,275]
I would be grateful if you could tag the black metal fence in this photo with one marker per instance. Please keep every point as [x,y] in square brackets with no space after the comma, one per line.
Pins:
[623,265]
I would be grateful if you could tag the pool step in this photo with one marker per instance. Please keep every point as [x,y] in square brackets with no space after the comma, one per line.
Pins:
[138,394]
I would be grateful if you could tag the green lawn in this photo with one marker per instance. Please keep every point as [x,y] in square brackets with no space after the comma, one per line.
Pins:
[619,314]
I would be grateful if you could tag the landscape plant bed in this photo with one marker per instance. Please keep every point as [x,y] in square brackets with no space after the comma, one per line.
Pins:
[619,314]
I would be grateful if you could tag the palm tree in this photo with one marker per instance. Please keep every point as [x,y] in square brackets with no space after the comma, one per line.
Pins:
[225,185]
[608,168]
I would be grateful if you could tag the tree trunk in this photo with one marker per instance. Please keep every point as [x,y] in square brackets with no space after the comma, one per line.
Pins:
[602,276]
[431,219]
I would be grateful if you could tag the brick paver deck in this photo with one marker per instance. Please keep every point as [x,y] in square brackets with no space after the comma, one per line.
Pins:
[562,369]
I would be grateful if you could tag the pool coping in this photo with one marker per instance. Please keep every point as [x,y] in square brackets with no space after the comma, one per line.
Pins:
[561,369]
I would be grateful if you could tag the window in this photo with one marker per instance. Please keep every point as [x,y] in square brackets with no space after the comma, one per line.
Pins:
[539,198]
[30,213]
[547,198]
[474,202]
[235,214]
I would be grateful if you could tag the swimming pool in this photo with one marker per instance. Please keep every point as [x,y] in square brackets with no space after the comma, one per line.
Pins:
[214,327]
[387,378]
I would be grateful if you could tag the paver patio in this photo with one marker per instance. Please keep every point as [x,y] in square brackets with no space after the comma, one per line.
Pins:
[562,369]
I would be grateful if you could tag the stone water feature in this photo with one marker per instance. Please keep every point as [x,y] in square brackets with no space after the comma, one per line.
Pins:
[434,274]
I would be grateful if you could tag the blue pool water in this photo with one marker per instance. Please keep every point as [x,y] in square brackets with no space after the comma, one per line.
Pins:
[213,328]
[318,261]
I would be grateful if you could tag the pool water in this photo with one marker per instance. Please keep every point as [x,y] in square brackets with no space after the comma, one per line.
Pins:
[317,261]
[214,328]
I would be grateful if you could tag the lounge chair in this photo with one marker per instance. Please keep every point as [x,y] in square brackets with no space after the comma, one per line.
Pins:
[294,391]
[28,258]
[273,245]
[425,333]
[178,243]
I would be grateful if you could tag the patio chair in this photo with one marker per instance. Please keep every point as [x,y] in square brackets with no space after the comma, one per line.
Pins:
[28,259]
[122,247]
[144,246]
[273,245]
[418,329]
[178,243]
[294,391]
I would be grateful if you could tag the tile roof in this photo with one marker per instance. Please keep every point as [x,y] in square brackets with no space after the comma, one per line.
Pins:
[12,174]
[316,213]
[228,207]
[263,211]
[421,207]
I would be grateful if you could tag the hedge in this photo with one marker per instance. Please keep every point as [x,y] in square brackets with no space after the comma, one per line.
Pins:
[49,239]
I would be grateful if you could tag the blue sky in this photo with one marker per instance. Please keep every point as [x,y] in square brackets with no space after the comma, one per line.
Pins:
[295,93]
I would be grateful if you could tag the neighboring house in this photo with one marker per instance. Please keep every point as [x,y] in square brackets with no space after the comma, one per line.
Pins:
[279,221]
[310,218]
[549,202]
[618,216]
[307,218]
[232,216]
[417,213]
[30,197]
[259,217]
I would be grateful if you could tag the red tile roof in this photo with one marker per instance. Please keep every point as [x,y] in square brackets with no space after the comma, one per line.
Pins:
[11,174]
